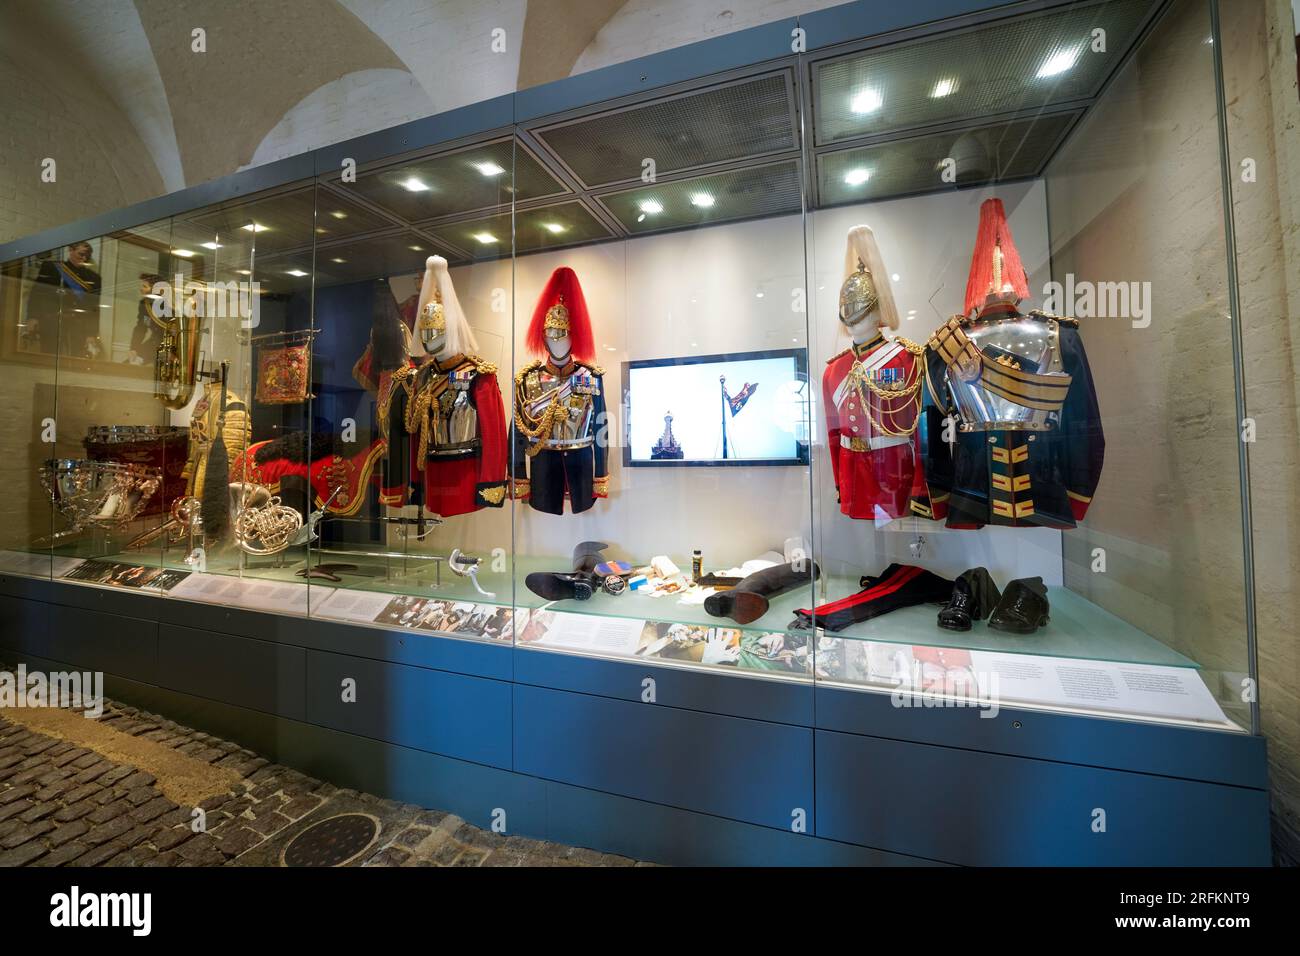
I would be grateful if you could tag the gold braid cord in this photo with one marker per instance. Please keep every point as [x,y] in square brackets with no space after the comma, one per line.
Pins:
[910,390]
[543,426]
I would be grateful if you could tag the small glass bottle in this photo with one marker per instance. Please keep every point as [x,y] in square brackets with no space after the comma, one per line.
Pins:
[697,565]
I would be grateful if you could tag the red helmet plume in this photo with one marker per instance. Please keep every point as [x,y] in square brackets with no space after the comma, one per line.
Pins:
[562,288]
[994,235]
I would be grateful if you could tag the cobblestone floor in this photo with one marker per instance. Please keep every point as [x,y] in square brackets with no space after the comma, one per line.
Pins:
[63,804]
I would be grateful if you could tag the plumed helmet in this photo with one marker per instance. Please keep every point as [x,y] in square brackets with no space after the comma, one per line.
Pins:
[996,272]
[439,317]
[560,309]
[866,287]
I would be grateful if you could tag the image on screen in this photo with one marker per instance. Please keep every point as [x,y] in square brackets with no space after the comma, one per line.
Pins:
[745,409]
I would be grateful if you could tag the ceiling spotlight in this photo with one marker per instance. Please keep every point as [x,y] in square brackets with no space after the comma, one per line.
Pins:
[856,177]
[340,261]
[416,248]
[1058,63]
[894,277]
[339,214]
[321,230]
[296,273]
[703,200]
[244,272]
[485,237]
[866,101]
[758,295]
[212,245]
[651,207]
[943,88]
[183,253]
[489,169]
[414,184]
[554,228]
[253,227]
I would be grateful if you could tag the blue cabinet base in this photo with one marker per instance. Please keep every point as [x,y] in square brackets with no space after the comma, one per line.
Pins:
[570,754]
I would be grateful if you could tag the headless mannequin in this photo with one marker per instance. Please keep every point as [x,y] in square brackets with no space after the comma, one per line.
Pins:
[559,349]
[865,329]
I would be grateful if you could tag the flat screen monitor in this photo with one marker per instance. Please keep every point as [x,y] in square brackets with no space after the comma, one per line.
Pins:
[750,408]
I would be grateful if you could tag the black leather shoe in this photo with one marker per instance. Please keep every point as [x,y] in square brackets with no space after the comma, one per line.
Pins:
[560,585]
[974,596]
[1023,608]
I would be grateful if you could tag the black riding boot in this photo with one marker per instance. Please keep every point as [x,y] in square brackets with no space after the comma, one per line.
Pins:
[748,600]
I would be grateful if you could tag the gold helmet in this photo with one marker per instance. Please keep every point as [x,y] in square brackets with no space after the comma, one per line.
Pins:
[556,324]
[858,296]
[431,323]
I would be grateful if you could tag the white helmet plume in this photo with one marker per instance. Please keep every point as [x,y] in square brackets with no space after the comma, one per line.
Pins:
[460,339]
[862,247]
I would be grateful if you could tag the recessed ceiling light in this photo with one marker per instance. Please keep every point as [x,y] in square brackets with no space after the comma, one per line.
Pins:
[339,214]
[758,295]
[338,260]
[703,200]
[1058,63]
[414,184]
[183,253]
[244,272]
[485,237]
[554,227]
[416,248]
[321,230]
[945,87]
[211,245]
[651,207]
[866,101]
[856,177]
[253,227]
[894,277]
[296,273]
[489,169]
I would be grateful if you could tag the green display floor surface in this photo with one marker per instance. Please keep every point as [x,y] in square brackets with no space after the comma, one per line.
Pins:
[1078,628]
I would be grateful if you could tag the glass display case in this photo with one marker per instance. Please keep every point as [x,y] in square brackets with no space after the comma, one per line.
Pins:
[858,367]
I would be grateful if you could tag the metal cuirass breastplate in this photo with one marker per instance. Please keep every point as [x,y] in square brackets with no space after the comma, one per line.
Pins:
[453,418]
[571,395]
[1021,384]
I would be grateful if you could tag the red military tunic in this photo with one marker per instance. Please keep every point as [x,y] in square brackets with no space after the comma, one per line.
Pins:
[872,396]
[444,431]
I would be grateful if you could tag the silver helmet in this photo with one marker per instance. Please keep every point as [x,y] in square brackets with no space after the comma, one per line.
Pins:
[858,296]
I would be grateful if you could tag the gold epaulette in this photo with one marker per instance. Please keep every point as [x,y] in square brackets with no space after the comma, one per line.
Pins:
[839,354]
[593,369]
[480,366]
[909,345]
[531,366]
